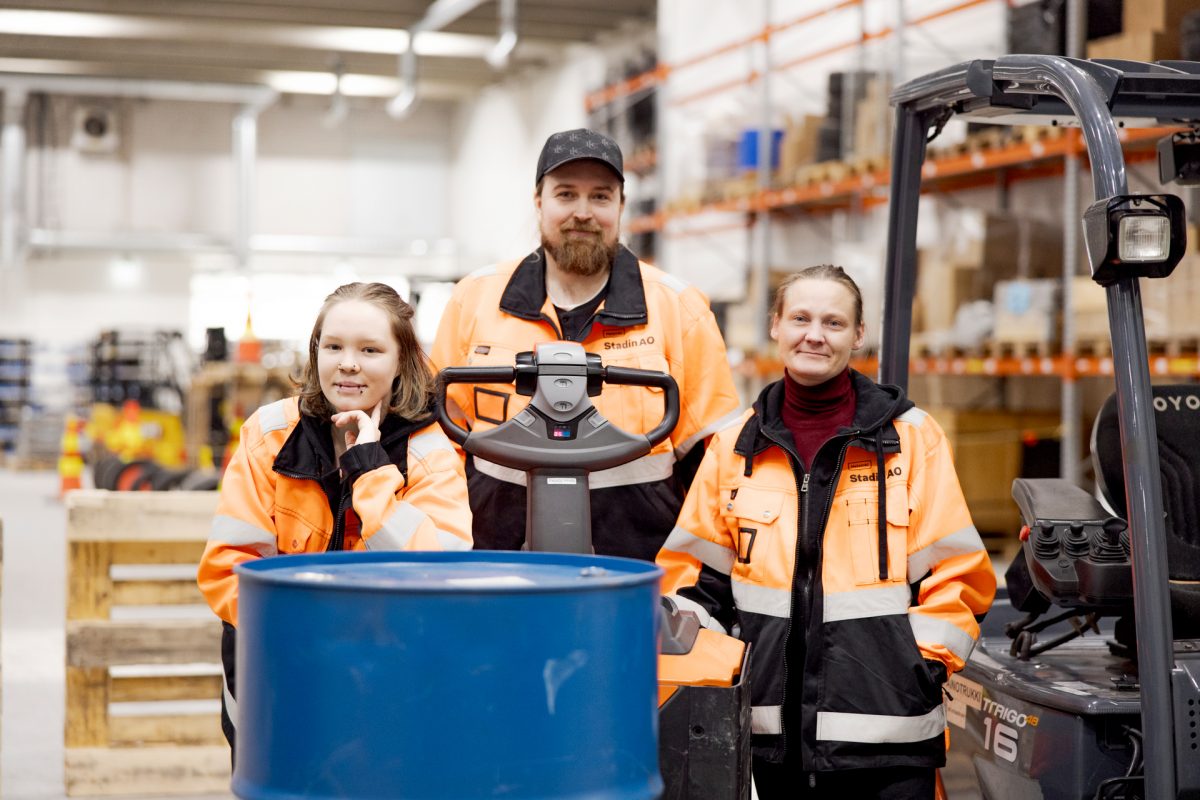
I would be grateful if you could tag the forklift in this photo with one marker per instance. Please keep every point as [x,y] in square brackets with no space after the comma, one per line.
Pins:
[1097,710]
[558,439]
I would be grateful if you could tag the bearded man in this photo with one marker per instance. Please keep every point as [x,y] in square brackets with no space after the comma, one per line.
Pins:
[582,285]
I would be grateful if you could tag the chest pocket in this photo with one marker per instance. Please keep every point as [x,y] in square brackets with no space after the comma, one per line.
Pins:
[492,403]
[751,514]
[862,517]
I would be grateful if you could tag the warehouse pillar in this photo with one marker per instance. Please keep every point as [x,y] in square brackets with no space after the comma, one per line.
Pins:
[245,148]
[12,198]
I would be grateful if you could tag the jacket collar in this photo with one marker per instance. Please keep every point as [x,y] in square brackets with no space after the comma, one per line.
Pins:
[308,451]
[624,304]
[878,404]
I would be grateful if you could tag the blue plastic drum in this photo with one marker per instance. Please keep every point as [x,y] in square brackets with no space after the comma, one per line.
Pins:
[447,675]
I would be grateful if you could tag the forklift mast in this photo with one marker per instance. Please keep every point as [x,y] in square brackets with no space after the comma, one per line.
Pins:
[1096,96]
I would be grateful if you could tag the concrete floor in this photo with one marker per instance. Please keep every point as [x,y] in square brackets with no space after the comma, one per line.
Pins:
[32,644]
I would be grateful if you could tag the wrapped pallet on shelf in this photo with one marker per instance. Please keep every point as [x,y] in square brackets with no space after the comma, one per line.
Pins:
[15,365]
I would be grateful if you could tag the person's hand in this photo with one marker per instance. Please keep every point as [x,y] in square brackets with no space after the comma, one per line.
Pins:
[358,426]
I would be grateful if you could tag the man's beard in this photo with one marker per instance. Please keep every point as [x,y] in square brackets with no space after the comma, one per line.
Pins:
[581,256]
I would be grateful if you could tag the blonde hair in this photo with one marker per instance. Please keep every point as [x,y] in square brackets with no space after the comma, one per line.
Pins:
[826,272]
[412,390]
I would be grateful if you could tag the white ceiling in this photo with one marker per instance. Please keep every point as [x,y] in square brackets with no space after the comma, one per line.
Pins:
[293,44]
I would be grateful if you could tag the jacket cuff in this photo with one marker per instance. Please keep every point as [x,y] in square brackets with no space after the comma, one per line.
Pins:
[362,458]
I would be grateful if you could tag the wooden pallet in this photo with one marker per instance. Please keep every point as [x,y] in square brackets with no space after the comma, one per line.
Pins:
[141,690]
[1099,346]
[866,165]
[1037,133]
[1020,349]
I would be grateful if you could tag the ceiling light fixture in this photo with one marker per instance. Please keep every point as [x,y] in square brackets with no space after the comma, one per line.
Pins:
[439,14]
[497,57]
[400,105]
[338,106]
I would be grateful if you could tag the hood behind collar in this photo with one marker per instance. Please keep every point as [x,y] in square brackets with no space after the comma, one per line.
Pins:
[877,405]
[308,450]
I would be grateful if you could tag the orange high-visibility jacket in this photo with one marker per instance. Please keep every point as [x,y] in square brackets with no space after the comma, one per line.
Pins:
[278,491]
[848,650]
[648,319]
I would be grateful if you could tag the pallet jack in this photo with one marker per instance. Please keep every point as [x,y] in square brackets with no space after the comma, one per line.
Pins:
[1039,712]
[557,440]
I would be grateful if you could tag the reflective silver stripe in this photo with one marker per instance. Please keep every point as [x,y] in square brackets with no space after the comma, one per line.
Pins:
[866,603]
[914,416]
[230,703]
[675,283]
[959,543]
[450,542]
[233,531]
[398,529]
[879,728]
[766,719]
[712,554]
[721,424]
[272,418]
[647,469]
[706,619]
[931,630]
[655,467]
[506,474]
[421,446]
[762,599]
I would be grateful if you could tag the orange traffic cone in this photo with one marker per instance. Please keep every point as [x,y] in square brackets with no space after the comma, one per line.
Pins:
[249,349]
[70,460]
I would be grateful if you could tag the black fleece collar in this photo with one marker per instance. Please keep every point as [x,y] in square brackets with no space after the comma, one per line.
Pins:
[308,451]
[878,404]
[624,305]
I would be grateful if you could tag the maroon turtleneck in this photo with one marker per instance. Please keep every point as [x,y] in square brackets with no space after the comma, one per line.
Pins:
[815,413]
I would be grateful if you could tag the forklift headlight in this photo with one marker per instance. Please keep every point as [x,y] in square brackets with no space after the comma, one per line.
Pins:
[1144,238]
[1134,236]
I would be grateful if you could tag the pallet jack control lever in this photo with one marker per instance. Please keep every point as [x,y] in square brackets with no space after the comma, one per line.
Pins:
[560,427]
[560,437]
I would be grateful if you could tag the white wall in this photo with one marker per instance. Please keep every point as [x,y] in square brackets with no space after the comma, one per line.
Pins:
[496,144]
[370,177]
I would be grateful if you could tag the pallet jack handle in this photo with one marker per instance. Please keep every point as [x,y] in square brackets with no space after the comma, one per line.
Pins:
[449,375]
[628,376]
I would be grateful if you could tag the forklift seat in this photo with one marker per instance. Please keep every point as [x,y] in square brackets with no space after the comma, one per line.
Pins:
[1177,419]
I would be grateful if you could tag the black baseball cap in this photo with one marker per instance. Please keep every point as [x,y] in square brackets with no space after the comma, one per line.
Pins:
[566,146]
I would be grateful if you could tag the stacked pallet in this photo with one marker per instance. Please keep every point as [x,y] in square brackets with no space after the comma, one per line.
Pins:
[142,658]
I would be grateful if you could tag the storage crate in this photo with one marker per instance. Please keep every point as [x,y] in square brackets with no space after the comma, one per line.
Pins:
[988,455]
[143,675]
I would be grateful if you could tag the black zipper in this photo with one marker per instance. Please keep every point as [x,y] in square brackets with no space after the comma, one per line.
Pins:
[817,553]
[801,505]
[337,540]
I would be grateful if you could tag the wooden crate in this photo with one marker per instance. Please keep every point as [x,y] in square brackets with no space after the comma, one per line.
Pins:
[140,683]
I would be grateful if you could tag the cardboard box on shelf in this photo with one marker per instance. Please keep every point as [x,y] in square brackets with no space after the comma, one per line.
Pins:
[1005,246]
[942,286]
[1136,46]
[988,455]
[1162,16]
[799,146]
[873,122]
